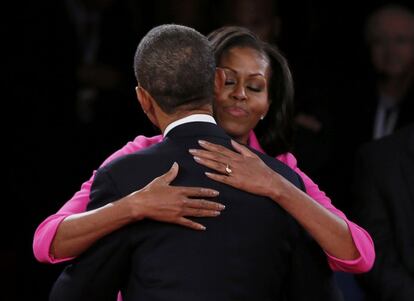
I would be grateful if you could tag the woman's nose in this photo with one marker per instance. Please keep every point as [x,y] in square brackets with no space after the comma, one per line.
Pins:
[239,93]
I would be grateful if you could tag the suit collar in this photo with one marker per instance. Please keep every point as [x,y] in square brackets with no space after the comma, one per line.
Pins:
[190,118]
[197,128]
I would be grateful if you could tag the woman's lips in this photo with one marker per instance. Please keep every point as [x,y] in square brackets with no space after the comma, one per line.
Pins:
[236,111]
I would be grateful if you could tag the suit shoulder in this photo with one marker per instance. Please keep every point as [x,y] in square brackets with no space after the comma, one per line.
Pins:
[273,162]
[137,157]
[389,145]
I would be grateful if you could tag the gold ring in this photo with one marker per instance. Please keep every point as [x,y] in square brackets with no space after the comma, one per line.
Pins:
[228,170]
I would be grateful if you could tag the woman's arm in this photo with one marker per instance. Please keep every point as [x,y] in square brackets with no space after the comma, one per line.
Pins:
[330,230]
[360,236]
[158,201]
[71,230]
[51,228]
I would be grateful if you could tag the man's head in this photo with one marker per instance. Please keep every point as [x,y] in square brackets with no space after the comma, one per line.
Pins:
[174,65]
[390,36]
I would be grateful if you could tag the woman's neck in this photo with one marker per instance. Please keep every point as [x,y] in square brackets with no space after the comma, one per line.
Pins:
[241,139]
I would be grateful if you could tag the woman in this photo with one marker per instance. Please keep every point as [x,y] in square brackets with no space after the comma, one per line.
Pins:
[258,89]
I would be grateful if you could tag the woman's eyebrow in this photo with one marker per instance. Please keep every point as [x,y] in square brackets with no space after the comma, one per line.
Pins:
[235,71]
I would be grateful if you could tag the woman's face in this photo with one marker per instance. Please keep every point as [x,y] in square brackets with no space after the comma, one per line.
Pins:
[243,99]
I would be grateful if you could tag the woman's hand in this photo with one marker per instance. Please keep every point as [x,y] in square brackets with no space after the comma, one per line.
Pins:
[165,203]
[158,201]
[247,171]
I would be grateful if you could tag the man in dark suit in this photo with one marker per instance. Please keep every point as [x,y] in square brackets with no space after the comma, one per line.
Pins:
[253,251]
[378,97]
[384,205]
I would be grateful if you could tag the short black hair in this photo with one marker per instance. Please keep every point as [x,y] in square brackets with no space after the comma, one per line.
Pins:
[176,65]
[275,132]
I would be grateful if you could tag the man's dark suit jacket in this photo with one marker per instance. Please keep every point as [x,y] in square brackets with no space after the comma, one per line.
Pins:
[384,205]
[253,251]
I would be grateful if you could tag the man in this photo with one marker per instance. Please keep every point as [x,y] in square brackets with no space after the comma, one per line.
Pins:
[389,103]
[378,102]
[253,251]
[384,205]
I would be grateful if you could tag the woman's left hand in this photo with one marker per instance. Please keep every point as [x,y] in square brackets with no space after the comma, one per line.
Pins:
[248,172]
[242,169]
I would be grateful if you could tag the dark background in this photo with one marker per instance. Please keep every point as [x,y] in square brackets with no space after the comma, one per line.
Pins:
[49,152]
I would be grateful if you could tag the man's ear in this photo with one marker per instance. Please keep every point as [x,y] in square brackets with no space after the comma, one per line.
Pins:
[219,80]
[146,101]
[143,98]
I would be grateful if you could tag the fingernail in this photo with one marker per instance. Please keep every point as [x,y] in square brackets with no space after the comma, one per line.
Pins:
[201,227]
[210,192]
[198,159]
[215,192]
[202,142]
[192,151]
[216,213]
[221,207]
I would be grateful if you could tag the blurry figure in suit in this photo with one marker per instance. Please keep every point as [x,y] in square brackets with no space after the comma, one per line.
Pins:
[384,205]
[381,100]
[386,100]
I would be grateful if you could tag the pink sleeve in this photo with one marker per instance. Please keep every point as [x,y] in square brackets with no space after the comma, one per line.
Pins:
[46,231]
[362,239]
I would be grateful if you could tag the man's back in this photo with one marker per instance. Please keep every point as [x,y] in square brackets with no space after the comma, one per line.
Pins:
[245,254]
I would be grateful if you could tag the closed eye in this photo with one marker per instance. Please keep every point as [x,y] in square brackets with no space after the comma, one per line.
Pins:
[254,89]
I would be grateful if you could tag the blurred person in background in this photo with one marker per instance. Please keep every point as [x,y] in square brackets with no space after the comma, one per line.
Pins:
[389,35]
[383,203]
[377,102]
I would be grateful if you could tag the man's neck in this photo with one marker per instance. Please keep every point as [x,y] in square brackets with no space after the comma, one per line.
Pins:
[394,87]
[166,120]
[190,118]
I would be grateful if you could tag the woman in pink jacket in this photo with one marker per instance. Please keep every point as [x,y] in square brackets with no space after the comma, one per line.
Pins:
[256,74]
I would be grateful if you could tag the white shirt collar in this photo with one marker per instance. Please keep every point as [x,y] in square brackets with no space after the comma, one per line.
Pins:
[187,119]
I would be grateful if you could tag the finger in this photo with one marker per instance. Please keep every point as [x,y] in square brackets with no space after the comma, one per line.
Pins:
[217,148]
[220,178]
[170,175]
[211,155]
[204,204]
[190,224]
[242,149]
[200,212]
[198,192]
[217,166]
